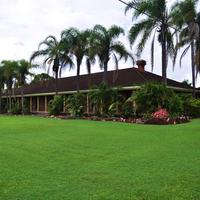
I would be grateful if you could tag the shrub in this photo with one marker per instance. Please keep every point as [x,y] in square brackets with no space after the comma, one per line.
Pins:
[174,105]
[191,106]
[26,106]
[128,109]
[3,105]
[152,97]
[16,109]
[55,106]
[102,97]
[194,108]
[75,104]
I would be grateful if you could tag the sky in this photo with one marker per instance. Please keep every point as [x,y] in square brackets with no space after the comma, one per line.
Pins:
[25,23]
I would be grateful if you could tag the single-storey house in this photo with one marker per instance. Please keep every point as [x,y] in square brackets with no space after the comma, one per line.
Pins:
[130,79]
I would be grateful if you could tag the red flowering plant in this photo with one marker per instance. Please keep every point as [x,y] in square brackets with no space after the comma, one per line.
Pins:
[161,114]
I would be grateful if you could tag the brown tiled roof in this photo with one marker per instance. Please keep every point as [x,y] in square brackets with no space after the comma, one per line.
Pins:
[124,78]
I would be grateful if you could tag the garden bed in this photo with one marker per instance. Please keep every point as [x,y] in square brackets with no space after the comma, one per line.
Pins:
[156,121]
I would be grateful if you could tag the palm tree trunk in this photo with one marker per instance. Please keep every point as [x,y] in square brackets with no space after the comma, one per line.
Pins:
[10,100]
[78,77]
[164,54]
[193,69]
[7,100]
[105,72]
[56,82]
[22,99]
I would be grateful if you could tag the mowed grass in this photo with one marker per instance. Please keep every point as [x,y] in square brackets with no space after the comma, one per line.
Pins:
[50,159]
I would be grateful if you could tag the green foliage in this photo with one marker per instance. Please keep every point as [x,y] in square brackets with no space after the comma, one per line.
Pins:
[194,108]
[55,106]
[128,108]
[102,97]
[75,104]
[105,45]
[174,105]
[150,26]
[116,107]
[26,106]
[16,109]
[41,77]
[152,97]
[191,106]
[3,102]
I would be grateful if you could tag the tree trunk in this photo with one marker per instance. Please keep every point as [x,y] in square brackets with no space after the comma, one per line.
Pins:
[193,69]
[164,53]
[78,77]
[105,72]
[22,99]
[10,100]
[56,82]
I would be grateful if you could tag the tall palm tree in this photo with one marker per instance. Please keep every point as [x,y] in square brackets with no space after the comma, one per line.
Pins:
[197,54]
[187,22]
[104,45]
[78,42]
[23,70]
[156,21]
[55,56]
[9,73]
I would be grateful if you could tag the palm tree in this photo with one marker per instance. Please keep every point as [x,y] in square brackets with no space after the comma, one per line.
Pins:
[23,70]
[104,45]
[78,42]
[102,97]
[197,56]
[156,23]
[187,22]
[55,56]
[9,73]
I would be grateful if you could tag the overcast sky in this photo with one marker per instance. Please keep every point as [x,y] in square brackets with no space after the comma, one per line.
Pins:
[25,23]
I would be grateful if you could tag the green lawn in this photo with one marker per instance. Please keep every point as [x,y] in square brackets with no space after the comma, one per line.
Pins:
[50,159]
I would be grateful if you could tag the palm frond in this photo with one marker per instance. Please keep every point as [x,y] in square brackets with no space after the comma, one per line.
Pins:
[152,50]
[183,54]
[115,31]
[138,28]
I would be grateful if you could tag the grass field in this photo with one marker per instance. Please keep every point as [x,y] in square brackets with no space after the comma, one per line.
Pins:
[49,159]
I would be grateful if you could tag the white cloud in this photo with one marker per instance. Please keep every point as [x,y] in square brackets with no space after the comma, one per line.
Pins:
[25,23]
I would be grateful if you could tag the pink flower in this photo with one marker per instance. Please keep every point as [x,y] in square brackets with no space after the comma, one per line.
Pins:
[161,114]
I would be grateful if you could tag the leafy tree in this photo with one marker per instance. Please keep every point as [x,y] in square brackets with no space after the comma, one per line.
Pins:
[55,55]
[41,77]
[156,21]
[104,45]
